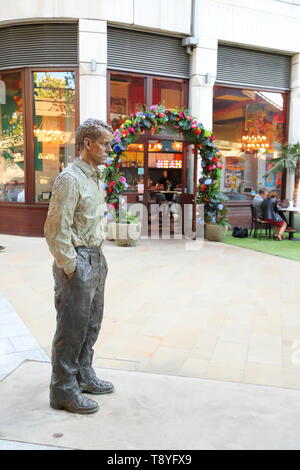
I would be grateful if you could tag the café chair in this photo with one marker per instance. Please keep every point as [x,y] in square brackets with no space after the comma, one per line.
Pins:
[258,225]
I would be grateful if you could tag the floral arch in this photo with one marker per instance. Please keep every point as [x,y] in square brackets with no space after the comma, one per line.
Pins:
[156,118]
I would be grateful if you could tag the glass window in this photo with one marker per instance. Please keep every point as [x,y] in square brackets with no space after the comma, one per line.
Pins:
[54,128]
[170,93]
[165,164]
[11,138]
[249,128]
[132,167]
[127,93]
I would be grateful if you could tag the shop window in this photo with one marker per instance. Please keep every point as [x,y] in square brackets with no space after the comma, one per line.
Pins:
[132,167]
[127,93]
[11,138]
[170,93]
[249,127]
[54,128]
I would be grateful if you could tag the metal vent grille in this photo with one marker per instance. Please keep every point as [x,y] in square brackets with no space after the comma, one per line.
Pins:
[147,53]
[51,44]
[253,68]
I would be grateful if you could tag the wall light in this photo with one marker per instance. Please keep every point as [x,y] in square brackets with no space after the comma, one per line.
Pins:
[2,92]
[208,78]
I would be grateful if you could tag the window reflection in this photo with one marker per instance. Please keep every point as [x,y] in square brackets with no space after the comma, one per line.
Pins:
[132,167]
[170,93]
[249,127]
[127,93]
[165,164]
[54,128]
[11,138]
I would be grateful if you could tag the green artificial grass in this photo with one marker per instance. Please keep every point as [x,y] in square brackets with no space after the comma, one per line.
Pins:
[285,248]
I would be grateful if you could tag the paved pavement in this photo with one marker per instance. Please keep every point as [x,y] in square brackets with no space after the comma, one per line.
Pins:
[16,340]
[219,312]
[209,311]
[152,411]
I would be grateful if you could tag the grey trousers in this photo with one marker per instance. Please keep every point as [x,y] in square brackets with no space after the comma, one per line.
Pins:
[79,304]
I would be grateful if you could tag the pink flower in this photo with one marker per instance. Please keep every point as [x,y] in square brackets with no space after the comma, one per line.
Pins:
[181,114]
[194,125]
[131,129]
[122,180]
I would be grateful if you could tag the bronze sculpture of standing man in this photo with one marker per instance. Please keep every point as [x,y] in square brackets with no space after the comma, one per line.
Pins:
[73,234]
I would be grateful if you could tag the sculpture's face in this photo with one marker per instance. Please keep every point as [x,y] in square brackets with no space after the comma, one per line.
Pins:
[96,152]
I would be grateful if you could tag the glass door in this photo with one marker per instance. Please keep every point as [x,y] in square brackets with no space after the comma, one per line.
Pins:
[189,184]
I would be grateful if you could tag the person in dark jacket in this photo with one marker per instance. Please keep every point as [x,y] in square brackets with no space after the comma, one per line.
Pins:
[270,214]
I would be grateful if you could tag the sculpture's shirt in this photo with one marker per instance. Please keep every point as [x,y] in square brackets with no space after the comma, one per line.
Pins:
[76,208]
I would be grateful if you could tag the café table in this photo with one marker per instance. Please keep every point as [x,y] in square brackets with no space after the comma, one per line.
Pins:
[170,192]
[291,211]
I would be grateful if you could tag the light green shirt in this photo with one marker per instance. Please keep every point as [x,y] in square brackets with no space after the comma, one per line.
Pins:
[76,208]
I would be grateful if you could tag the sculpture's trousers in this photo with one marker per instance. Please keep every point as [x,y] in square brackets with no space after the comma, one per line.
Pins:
[79,304]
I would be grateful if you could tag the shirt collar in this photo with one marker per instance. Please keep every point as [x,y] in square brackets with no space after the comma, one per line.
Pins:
[87,169]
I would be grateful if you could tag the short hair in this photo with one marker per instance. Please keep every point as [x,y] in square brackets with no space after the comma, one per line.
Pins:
[273,194]
[92,129]
[262,191]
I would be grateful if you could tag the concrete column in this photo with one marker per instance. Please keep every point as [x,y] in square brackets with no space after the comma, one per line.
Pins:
[202,80]
[294,119]
[93,84]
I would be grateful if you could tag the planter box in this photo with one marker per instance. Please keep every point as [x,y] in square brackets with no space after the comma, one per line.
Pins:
[215,232]
[107,230]
[126,234]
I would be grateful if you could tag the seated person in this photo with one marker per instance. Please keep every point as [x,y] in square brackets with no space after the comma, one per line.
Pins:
[281,213]
[258,200]
[167,183]
[270,214]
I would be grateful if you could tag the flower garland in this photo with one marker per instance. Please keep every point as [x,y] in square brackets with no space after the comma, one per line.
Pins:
[155,118]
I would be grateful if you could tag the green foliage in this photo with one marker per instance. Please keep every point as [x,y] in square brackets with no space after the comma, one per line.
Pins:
[59,91]
[193,132]
[127,218]
[289,159]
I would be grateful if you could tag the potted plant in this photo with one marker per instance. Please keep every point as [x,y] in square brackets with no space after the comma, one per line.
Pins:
[289,160]
[127,229]
[216,222]
[215,213]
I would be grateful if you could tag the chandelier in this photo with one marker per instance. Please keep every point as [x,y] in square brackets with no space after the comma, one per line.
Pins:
[156,147]
[50,136]
[177,146]
[254,142]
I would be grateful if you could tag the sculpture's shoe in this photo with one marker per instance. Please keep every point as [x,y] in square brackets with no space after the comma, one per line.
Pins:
[96,386]
[79,404]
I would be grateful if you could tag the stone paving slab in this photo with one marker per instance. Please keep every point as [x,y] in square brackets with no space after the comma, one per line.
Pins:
[150,411]
[218,312]
[16,340]
[14,445]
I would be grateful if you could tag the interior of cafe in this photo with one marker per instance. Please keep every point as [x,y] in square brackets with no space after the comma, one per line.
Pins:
[155,167]
[154,174]
[250,127]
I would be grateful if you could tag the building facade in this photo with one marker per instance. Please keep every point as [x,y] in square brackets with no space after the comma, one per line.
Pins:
[235,66]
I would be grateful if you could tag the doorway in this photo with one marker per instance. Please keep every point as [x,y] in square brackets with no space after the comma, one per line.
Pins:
[161,173]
